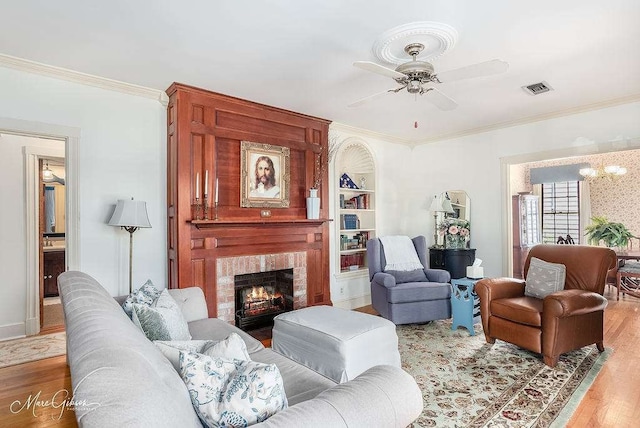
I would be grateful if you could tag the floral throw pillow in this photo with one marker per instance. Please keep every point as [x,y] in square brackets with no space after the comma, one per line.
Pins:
[232,393]
[231,348]
[161,321]
[145,295]
[544,278]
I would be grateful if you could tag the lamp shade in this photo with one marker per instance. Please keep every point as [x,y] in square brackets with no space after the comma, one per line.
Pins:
[446,206]
[130,213]
[436,204]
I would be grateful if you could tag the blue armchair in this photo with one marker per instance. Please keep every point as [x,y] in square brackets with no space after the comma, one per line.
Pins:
[408,297]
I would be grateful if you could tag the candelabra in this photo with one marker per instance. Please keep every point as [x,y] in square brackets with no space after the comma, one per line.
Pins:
[196,209]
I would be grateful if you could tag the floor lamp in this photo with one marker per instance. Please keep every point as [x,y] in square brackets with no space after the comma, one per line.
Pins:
[130,215]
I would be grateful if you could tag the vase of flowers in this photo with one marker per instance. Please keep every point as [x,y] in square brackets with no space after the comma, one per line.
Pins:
[456,232]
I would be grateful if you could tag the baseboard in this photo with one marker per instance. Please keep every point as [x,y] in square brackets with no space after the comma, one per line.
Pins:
[353,303]
[12,331]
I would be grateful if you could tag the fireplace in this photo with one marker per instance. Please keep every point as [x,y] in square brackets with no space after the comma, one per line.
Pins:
[260,296]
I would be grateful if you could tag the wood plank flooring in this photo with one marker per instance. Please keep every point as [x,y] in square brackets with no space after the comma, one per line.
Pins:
[612,401]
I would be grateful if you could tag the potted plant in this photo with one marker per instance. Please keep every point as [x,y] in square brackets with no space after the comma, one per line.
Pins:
[612,234]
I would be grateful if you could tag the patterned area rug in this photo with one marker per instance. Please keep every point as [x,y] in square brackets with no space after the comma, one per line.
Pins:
[466,382]
[32,348]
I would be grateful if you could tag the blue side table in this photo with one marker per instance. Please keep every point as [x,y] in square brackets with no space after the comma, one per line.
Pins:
[465,304]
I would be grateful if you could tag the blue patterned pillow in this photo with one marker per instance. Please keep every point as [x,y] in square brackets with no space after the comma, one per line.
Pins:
[233,347]
[145,295]
[232,393]
[161,321]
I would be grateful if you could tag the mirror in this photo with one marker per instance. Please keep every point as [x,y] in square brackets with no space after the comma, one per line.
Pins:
[460,203]
[449,204]
[54,197]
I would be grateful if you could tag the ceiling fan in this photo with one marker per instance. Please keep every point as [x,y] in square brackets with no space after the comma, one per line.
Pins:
[416,76]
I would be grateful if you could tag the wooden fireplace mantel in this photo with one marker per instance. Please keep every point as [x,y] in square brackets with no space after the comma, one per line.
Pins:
[205,132]
[207,224]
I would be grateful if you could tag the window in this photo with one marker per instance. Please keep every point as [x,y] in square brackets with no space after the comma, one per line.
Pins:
[560,211]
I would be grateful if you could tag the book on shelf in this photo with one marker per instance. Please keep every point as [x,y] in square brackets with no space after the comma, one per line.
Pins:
[351,261]
[360,202]
[349,221]
[357,242]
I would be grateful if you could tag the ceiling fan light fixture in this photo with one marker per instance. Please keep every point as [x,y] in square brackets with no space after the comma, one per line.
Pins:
[414,87]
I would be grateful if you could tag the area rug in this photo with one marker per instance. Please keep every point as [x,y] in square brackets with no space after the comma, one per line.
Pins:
[466,382]
[18,351]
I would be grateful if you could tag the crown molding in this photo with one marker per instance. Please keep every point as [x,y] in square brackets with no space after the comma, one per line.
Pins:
[531,119]
[82,78]
[341,127]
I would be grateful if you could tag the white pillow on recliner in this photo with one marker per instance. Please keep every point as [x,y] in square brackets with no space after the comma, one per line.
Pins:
[544,278]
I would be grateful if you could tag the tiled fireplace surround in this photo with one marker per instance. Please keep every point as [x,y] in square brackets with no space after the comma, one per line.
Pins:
[228,267]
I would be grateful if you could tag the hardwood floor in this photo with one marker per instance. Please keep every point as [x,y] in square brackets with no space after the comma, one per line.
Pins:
[612,401]
[38,380]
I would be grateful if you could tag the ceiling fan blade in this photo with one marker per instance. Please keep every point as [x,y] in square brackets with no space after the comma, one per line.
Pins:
[378,69]
[373,97]
[487,68]
[440,100]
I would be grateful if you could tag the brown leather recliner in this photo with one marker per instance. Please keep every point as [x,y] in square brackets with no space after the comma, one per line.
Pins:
[561,322]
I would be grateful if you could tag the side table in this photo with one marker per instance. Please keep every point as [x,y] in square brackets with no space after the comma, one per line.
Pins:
[465,304]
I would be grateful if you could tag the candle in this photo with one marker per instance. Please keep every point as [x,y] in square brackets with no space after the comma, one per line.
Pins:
[206,183]
[197,185]
[216,190]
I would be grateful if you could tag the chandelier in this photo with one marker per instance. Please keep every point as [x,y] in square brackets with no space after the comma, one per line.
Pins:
[610,172]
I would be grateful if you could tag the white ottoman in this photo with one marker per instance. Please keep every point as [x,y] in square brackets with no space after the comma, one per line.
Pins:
[337,343]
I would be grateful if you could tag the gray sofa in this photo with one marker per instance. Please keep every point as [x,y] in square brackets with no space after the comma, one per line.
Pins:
[412,301]
[121,379]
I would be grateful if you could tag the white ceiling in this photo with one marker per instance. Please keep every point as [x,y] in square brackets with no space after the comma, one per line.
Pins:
[298,54]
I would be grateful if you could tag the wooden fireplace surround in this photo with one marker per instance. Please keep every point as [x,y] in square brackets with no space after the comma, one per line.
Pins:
[204,134]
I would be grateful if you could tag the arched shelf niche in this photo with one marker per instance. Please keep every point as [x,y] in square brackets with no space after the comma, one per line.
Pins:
[355,170]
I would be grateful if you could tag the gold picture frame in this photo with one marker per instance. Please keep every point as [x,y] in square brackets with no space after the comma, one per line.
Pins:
[264,175]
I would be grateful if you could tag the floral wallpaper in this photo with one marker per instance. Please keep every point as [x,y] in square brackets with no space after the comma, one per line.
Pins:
[618,200]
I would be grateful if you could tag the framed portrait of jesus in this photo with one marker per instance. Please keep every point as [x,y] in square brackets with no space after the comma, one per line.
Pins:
[264,175]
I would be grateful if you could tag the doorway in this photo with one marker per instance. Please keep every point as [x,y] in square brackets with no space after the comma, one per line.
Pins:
[20,297]
[52,248]
[515,171]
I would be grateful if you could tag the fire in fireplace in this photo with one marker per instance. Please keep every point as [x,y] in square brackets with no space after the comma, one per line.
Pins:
[261,296]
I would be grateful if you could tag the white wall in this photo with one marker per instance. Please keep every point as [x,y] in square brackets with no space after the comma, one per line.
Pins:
[121,153]
[473,164]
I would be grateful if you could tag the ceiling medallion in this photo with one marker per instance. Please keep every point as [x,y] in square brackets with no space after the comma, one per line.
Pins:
[436,37]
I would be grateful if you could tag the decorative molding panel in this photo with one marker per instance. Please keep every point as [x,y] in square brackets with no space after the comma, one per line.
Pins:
[82,78]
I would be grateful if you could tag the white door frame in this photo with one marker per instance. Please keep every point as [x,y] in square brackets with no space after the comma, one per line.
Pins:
[71,137]
[505,172]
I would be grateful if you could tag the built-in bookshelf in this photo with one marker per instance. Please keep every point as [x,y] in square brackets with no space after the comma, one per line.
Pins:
[356,214]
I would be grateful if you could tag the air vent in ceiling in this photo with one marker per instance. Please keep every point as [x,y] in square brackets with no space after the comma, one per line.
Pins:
[537,88]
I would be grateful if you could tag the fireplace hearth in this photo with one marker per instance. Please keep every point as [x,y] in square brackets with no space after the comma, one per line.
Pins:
[259,297]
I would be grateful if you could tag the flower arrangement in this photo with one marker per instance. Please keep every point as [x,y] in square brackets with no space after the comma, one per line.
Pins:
[322,162]
[456,232]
